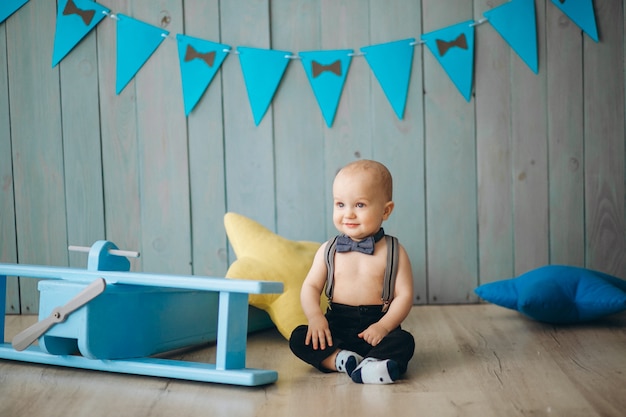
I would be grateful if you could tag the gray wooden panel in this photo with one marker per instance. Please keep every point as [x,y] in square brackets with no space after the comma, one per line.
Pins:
[564,69]
[529,127]
[206,154]
[302,191]
[492,99]
[249,149]
[120,159]
[8,238]
[162,148]
[531,171]
[450,171]
[345,25]
[399,144]
[81,148]
[36,138]
[604,143]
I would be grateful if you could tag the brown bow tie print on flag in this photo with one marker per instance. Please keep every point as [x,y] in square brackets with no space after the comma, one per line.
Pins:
[443,46]
[208,57]
[318,68]
[86,15]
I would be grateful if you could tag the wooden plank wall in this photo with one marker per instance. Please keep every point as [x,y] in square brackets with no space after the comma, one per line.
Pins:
[8,249]
[532,171]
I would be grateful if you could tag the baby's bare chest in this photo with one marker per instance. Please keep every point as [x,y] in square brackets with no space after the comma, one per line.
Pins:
[358,278]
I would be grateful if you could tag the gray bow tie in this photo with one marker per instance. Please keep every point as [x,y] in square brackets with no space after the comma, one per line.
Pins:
[345,244]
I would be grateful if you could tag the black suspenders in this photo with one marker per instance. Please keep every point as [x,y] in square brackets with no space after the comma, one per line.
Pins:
[391,270]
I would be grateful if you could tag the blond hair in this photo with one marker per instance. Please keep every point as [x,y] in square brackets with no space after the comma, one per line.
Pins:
[377,171]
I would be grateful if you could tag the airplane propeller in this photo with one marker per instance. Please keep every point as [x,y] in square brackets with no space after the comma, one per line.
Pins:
[27,336]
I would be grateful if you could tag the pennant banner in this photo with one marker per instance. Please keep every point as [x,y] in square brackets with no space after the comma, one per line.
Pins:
[515,21]
[75,19]
[327,71]
[199,62]
[454,49]
[8,7]
[581,12]
[136,42]
[391,63]
[262,70]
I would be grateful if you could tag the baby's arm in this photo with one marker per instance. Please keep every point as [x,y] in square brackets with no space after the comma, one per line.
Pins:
[400,306]
[318,333]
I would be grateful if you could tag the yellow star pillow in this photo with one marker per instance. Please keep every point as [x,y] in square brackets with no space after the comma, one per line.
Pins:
[265,256]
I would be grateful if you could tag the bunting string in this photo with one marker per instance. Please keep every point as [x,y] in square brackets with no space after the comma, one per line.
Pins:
[326,70]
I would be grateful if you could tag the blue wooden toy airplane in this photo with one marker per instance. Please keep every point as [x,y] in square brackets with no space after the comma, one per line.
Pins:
[109,319]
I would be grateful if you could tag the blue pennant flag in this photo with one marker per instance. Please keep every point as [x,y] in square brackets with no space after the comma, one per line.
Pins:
[75,19]
[581,13]
[8,7]
[327,72]
[136,42]
[262,70]
[515,21]
[454,49]
[391,63]
[199,62]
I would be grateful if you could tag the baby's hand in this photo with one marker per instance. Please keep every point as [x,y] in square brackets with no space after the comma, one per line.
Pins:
[374,334]
[318,333]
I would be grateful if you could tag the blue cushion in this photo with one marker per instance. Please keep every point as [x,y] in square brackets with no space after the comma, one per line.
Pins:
[558,294]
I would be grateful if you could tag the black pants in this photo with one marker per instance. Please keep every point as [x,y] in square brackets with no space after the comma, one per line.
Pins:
[345,323]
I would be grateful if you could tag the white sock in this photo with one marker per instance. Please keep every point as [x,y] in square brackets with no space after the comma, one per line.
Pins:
[346,361]
[376,371]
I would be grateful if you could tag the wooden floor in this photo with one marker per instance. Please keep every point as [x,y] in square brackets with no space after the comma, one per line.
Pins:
[472,360]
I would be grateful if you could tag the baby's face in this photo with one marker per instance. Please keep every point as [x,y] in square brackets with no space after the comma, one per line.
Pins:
[360,206]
